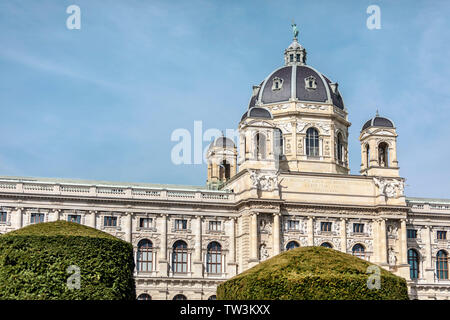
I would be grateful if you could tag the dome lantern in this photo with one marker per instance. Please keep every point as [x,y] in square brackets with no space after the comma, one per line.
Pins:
[295,54]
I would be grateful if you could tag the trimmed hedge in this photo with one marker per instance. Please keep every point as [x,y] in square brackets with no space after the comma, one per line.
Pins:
[34,262]
[311,273]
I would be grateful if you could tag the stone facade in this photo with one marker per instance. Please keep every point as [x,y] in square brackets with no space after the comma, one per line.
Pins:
[286,184]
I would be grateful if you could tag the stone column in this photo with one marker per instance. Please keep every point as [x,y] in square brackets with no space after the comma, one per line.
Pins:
[403,245]
[93,219]
[428,266]
[276,234]
[344,235]
[403,267]
[254,238]
[232,250]
[310,231]
[18,223]
[56,215]
[383,243]
[128,226]
[163,262]
[197,263]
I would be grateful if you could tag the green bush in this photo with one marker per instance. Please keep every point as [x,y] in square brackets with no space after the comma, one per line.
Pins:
[312,273]
[34,262]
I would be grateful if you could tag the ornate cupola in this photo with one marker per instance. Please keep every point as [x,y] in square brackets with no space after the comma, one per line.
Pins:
[295,54]
[379,148]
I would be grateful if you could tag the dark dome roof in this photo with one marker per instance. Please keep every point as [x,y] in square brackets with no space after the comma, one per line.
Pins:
[257,112]
[378,122]
[293,86]
[222,142]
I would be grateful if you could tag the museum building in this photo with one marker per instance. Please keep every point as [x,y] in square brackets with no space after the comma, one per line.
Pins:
[286,184]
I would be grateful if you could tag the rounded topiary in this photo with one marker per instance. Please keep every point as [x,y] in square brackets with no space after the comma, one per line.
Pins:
[313,273]
[42,261]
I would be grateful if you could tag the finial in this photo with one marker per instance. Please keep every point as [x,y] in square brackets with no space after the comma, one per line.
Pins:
[294,30]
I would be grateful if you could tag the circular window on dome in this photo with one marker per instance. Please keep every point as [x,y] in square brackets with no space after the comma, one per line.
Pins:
[277,83]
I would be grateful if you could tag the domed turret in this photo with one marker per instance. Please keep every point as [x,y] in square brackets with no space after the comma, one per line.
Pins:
[379,147]
[221,158]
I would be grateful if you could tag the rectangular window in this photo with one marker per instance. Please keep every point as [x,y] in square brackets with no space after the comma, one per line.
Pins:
[145,223]
[291,58]
[442,235]
[325,226]
[215,226]
[298,57]
[411,234]
[358,227]
[180,224]
[37,218]
[110,221]
[74,218]
[3,216]
[293,225]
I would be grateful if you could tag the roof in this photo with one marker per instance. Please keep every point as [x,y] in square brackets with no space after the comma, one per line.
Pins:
[427,200]
[257,112]
[102,183]
[378,121]
[293,86]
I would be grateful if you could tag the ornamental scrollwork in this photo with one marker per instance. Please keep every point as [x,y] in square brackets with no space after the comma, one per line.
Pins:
[265,181]
[389,187]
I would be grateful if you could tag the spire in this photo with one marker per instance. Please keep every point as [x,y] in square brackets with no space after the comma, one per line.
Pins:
[377,114]
[295,54]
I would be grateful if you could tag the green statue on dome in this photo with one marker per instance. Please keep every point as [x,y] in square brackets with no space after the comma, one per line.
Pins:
[295,30]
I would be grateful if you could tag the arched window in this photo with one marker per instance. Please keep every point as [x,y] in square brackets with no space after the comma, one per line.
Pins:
[224,171]
[367,156]
[144,256]
[442,265]
[413,260]
[312,142]
[327,245]
[278,138]
[358,251]
[383,154]
[144,296]
[260,143]
[179,257]
[292,245]
[213,297]
[214,258]
[340,148]
[179,297]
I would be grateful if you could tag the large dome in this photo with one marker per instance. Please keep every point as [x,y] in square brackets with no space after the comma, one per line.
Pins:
[298,81]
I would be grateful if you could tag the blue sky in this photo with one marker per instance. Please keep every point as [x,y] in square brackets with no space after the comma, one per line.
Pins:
[102,102]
